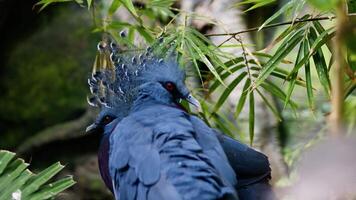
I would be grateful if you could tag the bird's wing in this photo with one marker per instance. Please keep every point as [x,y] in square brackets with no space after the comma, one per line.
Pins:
[250,165]
[158,158]
[210,144]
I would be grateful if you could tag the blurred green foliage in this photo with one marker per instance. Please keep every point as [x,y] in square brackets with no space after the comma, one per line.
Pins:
[44,79]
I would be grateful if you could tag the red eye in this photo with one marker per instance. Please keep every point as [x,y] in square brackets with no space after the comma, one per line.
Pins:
[107,119]
[169,86]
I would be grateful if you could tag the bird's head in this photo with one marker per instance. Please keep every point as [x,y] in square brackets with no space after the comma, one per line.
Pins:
[121,77]
[163,80]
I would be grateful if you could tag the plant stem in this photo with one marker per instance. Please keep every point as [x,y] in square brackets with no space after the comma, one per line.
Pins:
[270,26]
[337,90]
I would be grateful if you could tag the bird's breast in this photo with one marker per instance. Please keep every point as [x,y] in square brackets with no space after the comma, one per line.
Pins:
[103,159]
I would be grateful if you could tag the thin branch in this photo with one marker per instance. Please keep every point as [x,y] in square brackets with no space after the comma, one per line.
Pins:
[270,26]
[233,34]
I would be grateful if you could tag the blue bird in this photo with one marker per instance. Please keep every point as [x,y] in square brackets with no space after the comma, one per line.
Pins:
[152,148]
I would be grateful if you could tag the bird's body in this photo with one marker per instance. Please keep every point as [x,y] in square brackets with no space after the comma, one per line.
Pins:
[151,149]
[160,157]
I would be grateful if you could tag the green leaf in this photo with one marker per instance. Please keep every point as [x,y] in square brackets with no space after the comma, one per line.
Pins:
[217,83]
[89,3]
[251,117]
[192,56]
[15,177]
[324,5]
[204,59]
[53,189]
[145,34]
[308,78]
[5,158]
[318,42]
[221,124]
[13,171]
[130,7]
[113,7]
[46,3]
[281,11]
[276,91]
[242,99]
[286,47]
[351,6]
[321,30]
[42,178]
[294,76]
[320,63]
[269,105]
[16,184]
[259,3]
[228,90]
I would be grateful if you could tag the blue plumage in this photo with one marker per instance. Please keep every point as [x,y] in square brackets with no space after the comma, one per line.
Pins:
[152,149]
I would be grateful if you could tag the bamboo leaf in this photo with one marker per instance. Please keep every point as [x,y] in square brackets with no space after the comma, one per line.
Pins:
[113,7]
[286,47]
[89,3]
[217,83]
[294,76]
[260,4]
[320,63]
[318,42]
[287,31]
[308,78]
[276,91]
[269,105]
[282,10]
[145,34]
[192,56]
[242,99]
[321,30]
[131,8]
[228,90]
[251,117]
[46,3]
[204,59]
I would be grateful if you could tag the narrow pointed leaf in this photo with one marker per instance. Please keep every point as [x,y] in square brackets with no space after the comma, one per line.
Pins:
[53,189]
[130,7]
[251,117]
[320,63]
[242,99]
[16,184]
[281,11]
[286,47]
[145,34]
[42,178]
[269,105]
[228,90]
[89,3]
[276,91]
[318,42]
[204,59]
[113,7]
[308,79]
[217,83]
[5,158]
[13,171]
[294,76]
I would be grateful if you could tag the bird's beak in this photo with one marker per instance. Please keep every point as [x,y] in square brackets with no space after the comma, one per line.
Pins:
[92,128]
[192,100]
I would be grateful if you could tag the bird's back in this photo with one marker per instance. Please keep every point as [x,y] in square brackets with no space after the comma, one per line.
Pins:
[155,154]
